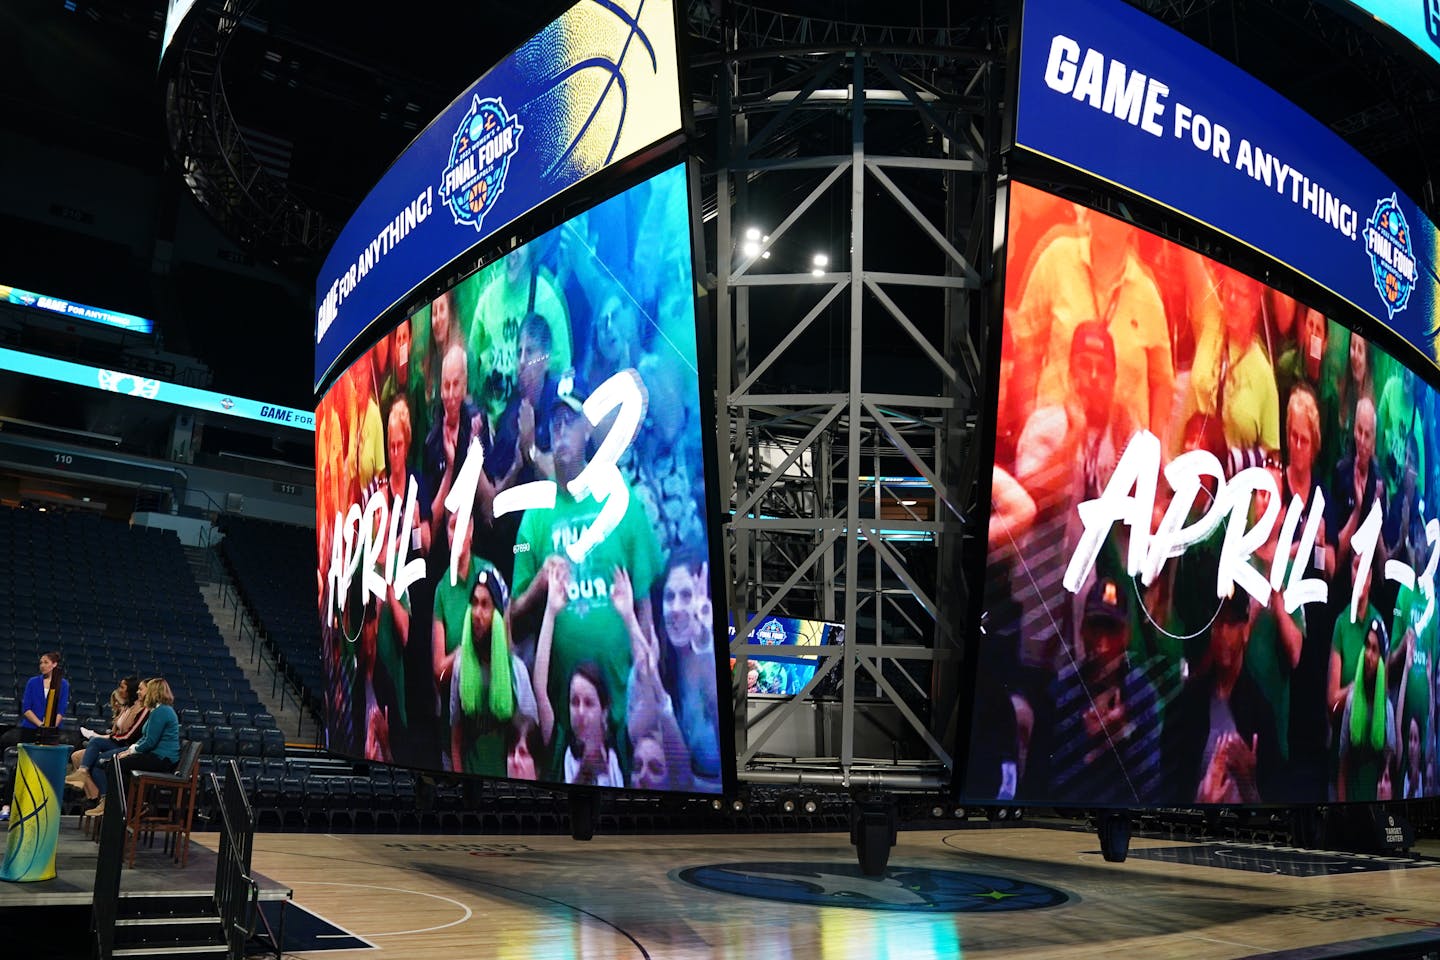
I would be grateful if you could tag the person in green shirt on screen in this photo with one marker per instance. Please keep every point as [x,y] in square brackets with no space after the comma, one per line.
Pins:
[452,610]
[573,533]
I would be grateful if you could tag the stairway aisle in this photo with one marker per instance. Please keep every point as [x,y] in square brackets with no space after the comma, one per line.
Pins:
[215,584]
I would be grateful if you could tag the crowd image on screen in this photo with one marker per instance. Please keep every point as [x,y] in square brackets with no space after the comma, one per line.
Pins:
[1210,573]
[510,506]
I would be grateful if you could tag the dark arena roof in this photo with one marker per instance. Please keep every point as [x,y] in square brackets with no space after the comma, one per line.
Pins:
[325,99]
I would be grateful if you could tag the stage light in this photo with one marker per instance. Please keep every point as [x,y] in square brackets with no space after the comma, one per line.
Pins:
[737,805]
[788,806]
[716,805]
[750,248]
[937,811]
[1017,814]
[752,233]
[959,813]
[820,260]
[811,806]
[1002,814]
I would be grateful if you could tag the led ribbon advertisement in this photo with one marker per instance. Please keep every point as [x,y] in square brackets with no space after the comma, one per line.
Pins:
[79,311]
[597,85]
[148,388]
[1111,91]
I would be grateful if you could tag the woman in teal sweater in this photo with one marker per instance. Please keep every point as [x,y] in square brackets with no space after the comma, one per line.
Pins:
[158,749]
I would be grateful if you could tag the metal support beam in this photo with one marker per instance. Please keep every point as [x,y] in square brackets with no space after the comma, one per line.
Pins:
[796,445]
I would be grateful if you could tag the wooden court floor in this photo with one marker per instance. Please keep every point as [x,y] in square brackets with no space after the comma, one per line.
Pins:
[551,898]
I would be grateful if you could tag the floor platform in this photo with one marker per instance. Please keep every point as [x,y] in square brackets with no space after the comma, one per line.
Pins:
[154,874]
[1018,892]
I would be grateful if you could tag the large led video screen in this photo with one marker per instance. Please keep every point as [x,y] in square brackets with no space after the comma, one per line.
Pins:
[513,548]
[785,675]
[1212,547]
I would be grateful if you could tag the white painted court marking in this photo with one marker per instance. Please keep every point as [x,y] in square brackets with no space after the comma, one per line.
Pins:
[333,936]
[394,933]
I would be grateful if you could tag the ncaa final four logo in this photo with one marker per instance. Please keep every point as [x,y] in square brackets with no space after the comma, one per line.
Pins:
[773,633]
[480,153]
[1392,257]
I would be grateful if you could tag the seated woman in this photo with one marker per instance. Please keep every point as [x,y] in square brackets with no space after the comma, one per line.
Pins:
[127,716]
[157,750]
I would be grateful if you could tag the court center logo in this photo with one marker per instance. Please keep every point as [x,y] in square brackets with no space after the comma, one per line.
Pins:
[910,889]
[480,153]
[1392,256]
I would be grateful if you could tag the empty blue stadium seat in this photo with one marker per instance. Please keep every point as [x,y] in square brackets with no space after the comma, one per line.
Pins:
[247,742]
[222,741]
[272,743]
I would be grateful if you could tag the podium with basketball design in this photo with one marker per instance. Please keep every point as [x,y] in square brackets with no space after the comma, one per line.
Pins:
[35,814]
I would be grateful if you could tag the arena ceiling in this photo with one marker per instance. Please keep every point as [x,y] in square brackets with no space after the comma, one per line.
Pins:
[338,95]
[332,96]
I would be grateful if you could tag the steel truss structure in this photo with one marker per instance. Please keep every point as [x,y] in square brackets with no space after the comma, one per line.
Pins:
[221,169]
[809,476]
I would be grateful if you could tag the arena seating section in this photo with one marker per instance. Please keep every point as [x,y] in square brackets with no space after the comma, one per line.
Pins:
[117,600]
[270,564]
[114,601]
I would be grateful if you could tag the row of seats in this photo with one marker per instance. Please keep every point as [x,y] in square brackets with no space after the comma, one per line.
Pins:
[221,699]
[85,688]
[234,718]
[225,741]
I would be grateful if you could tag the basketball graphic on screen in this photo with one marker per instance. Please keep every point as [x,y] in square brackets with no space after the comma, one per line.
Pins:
[610,82]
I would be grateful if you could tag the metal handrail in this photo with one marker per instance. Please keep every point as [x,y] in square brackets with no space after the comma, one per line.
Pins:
[109,865]
[245,620]
[247,625]
[235,892]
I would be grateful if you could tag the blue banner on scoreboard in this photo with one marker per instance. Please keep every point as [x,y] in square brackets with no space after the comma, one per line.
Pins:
[597,85]
[1109,90]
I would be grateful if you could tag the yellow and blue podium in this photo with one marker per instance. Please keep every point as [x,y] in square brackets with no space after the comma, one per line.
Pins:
[35,813]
